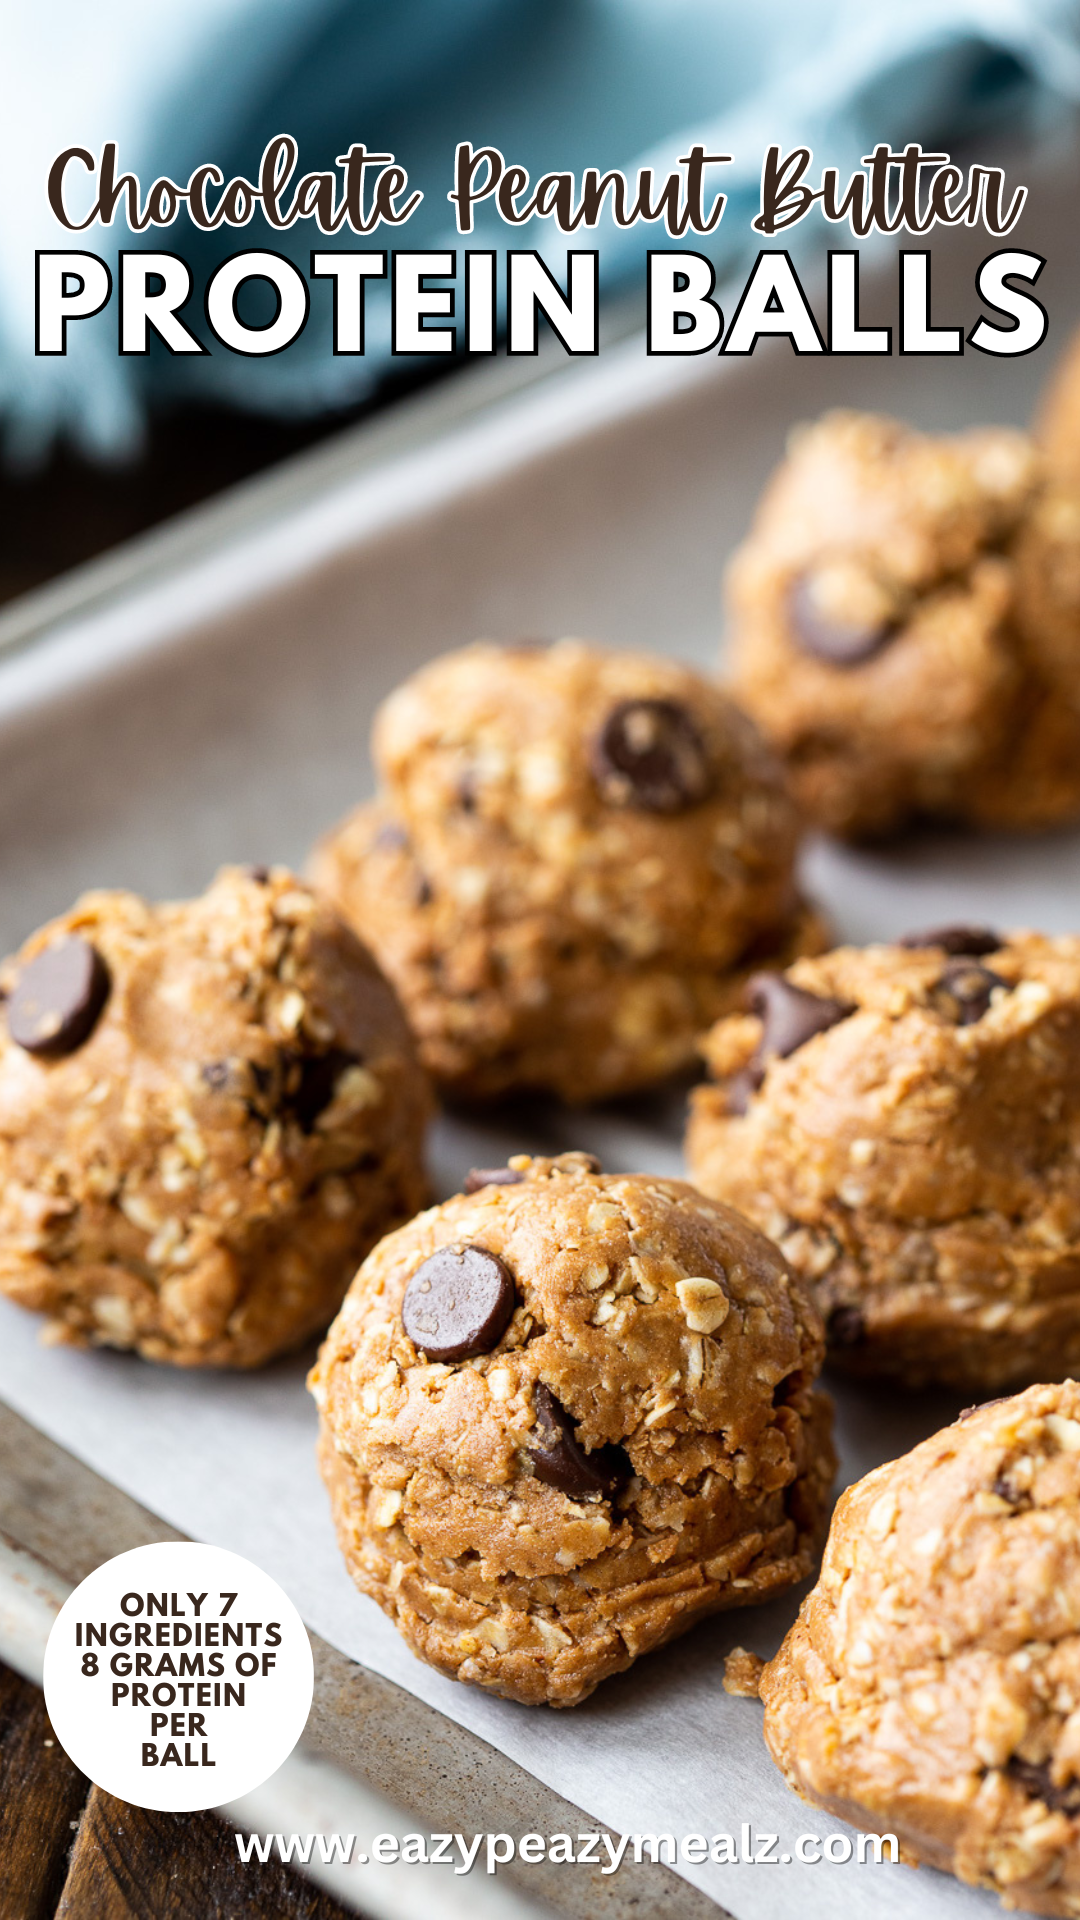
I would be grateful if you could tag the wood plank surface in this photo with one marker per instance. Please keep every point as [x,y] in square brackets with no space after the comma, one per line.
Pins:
[130,1864]
[41,1798]
[70,1852]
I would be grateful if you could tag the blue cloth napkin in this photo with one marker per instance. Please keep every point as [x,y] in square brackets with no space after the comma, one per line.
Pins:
[556,84]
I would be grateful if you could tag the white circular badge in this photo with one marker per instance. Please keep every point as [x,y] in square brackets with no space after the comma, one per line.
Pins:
[178,1676]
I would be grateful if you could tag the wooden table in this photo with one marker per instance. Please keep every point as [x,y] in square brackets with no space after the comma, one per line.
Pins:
[70,1852]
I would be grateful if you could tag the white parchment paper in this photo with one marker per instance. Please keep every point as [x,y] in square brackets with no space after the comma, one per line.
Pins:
[661,1749]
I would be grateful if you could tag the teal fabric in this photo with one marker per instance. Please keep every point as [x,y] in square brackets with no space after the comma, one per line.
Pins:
[553,83]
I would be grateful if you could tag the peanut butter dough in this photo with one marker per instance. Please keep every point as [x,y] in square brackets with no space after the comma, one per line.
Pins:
[209,1111]
[637,1444]
[905,1122]
[572,856]
[905,626]
[930,1687]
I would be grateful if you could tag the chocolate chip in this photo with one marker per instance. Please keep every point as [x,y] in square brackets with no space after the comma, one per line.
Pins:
[790,1015]
[560,1462]
[1034,1778]
[956,940]
[845,1327]
[260,875]
[741,1088]
[1008,1491]
[310,1081]
[649,754]
[290,1085]
[840,643]
[58,998]
[459,1303]
[964,991]
[966,1412]
[480,1177]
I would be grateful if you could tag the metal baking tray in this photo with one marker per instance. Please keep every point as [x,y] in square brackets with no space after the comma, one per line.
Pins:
[204,695]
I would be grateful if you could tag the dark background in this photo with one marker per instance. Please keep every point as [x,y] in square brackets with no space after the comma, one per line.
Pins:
[65,511]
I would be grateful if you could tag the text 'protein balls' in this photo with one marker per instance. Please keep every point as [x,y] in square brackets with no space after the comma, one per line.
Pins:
[572,855]
[209,1111]
[930,1687]
[905,1121]
[564,1416]
[905,626]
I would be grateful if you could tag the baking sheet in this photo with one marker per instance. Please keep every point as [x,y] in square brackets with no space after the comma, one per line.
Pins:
[662,1748]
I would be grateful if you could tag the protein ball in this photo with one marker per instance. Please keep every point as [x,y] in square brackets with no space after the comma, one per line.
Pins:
[573,859]
[914,1149]
[209,1111]
[874,628]
[930,1687]
[637,1445]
